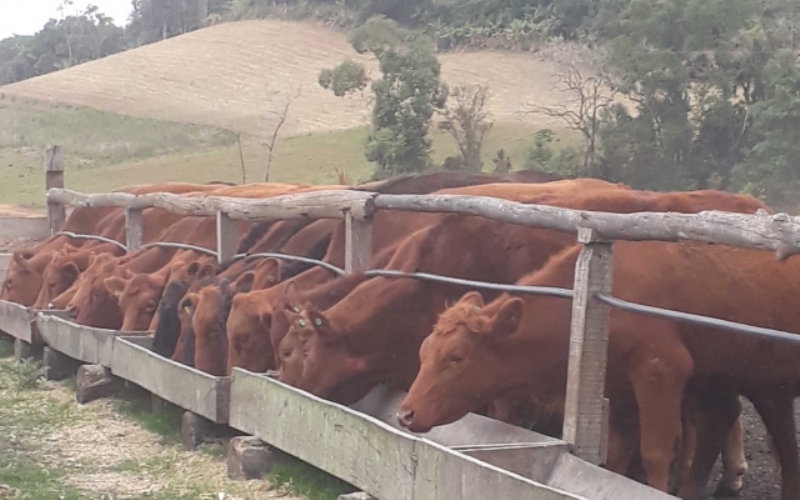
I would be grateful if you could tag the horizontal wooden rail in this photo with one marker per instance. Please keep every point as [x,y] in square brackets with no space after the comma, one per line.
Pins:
[760,231]
[311,205]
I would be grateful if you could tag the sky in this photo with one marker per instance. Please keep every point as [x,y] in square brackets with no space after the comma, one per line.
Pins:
[26,17]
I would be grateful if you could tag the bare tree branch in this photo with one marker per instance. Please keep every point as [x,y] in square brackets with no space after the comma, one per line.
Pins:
[281,113]
[467,121]
[588,91]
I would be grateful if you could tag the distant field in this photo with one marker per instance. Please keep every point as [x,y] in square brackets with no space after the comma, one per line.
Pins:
[104,151]
[166,111]
[222,76]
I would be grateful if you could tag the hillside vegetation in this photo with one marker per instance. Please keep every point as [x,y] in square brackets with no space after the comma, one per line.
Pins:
[225,75]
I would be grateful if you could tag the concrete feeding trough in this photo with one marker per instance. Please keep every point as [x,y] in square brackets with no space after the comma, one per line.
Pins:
[345,440]
[87,344]
[193,390]
[18,321]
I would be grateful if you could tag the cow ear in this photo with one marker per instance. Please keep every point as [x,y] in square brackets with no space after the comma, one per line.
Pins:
[115,285]
[67,248]
[126,273]
[21,260]
[270,269]
[192,269]
[92,257]
[71,271]
[206,271]
[244,283]
[473,298]
[506,321]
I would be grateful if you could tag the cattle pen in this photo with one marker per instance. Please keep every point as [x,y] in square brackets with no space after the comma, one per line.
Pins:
[475,457]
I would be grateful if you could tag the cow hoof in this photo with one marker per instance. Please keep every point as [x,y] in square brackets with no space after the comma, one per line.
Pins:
[726,490]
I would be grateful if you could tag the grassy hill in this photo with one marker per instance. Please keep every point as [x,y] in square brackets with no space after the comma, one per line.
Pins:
[165,111]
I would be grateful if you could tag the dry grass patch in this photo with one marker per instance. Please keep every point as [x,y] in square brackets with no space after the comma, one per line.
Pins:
[222,76]
[50,447]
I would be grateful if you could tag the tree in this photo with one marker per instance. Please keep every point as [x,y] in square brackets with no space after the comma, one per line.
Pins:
[405,97]
[466,120]
[280,112]
[588,92]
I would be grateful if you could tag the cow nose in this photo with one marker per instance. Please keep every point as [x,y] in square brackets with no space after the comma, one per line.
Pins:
[405,417]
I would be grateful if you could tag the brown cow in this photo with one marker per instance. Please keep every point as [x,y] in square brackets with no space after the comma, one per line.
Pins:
[65,267]
[335,356]
[478,351]
[251,312]
[23,280]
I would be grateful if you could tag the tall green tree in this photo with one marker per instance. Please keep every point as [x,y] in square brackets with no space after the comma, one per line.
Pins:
[405,97]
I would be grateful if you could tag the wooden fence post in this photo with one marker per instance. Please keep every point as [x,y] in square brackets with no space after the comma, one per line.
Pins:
[586,409]
[54,178]
[357,243]
[133,228]
[227,237]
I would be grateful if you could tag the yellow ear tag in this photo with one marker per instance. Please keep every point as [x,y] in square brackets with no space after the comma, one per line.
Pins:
[296,309]
[477,309]
[301,322]
[187,309]
[272,279]
[318,322]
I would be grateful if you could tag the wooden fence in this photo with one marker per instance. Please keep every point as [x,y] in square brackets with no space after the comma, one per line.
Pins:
[221,399]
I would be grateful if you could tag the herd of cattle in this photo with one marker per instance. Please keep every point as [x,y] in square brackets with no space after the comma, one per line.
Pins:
[456,350]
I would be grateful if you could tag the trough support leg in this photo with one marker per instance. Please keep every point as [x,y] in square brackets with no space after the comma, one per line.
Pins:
[25,350]
[58,366]
[8,342]
[196,430]
[250,458]
[93,382]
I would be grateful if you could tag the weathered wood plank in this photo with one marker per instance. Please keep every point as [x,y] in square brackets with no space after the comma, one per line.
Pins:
[761,231]
[54,179]
[186,387]
[357,243]
[330,204]
[133,229]
[570,472]
[90,345]
[446,474]
[348,444]
[585,417]
[18,321]
[227,237]
[327,436]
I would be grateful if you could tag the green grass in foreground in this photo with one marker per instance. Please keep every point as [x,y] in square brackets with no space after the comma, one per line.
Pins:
[306,480]
[103,151]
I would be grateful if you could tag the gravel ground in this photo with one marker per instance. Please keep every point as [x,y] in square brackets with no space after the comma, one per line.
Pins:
[762,481]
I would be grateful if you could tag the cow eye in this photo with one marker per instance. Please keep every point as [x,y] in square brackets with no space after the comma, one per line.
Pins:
[456,358]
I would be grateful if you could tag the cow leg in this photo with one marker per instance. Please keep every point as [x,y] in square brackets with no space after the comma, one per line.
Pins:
[777,412]
[734,461]
[715,412]
[659,388]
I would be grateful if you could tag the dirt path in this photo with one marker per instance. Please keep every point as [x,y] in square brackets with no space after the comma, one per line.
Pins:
[50,447]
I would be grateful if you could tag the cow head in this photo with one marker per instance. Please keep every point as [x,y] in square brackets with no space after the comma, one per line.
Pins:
[209,322]
[60,273]
[463,362]
[23,279]
[137,298]
[248,328]
[330,368]
[101,308]
[76,296]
